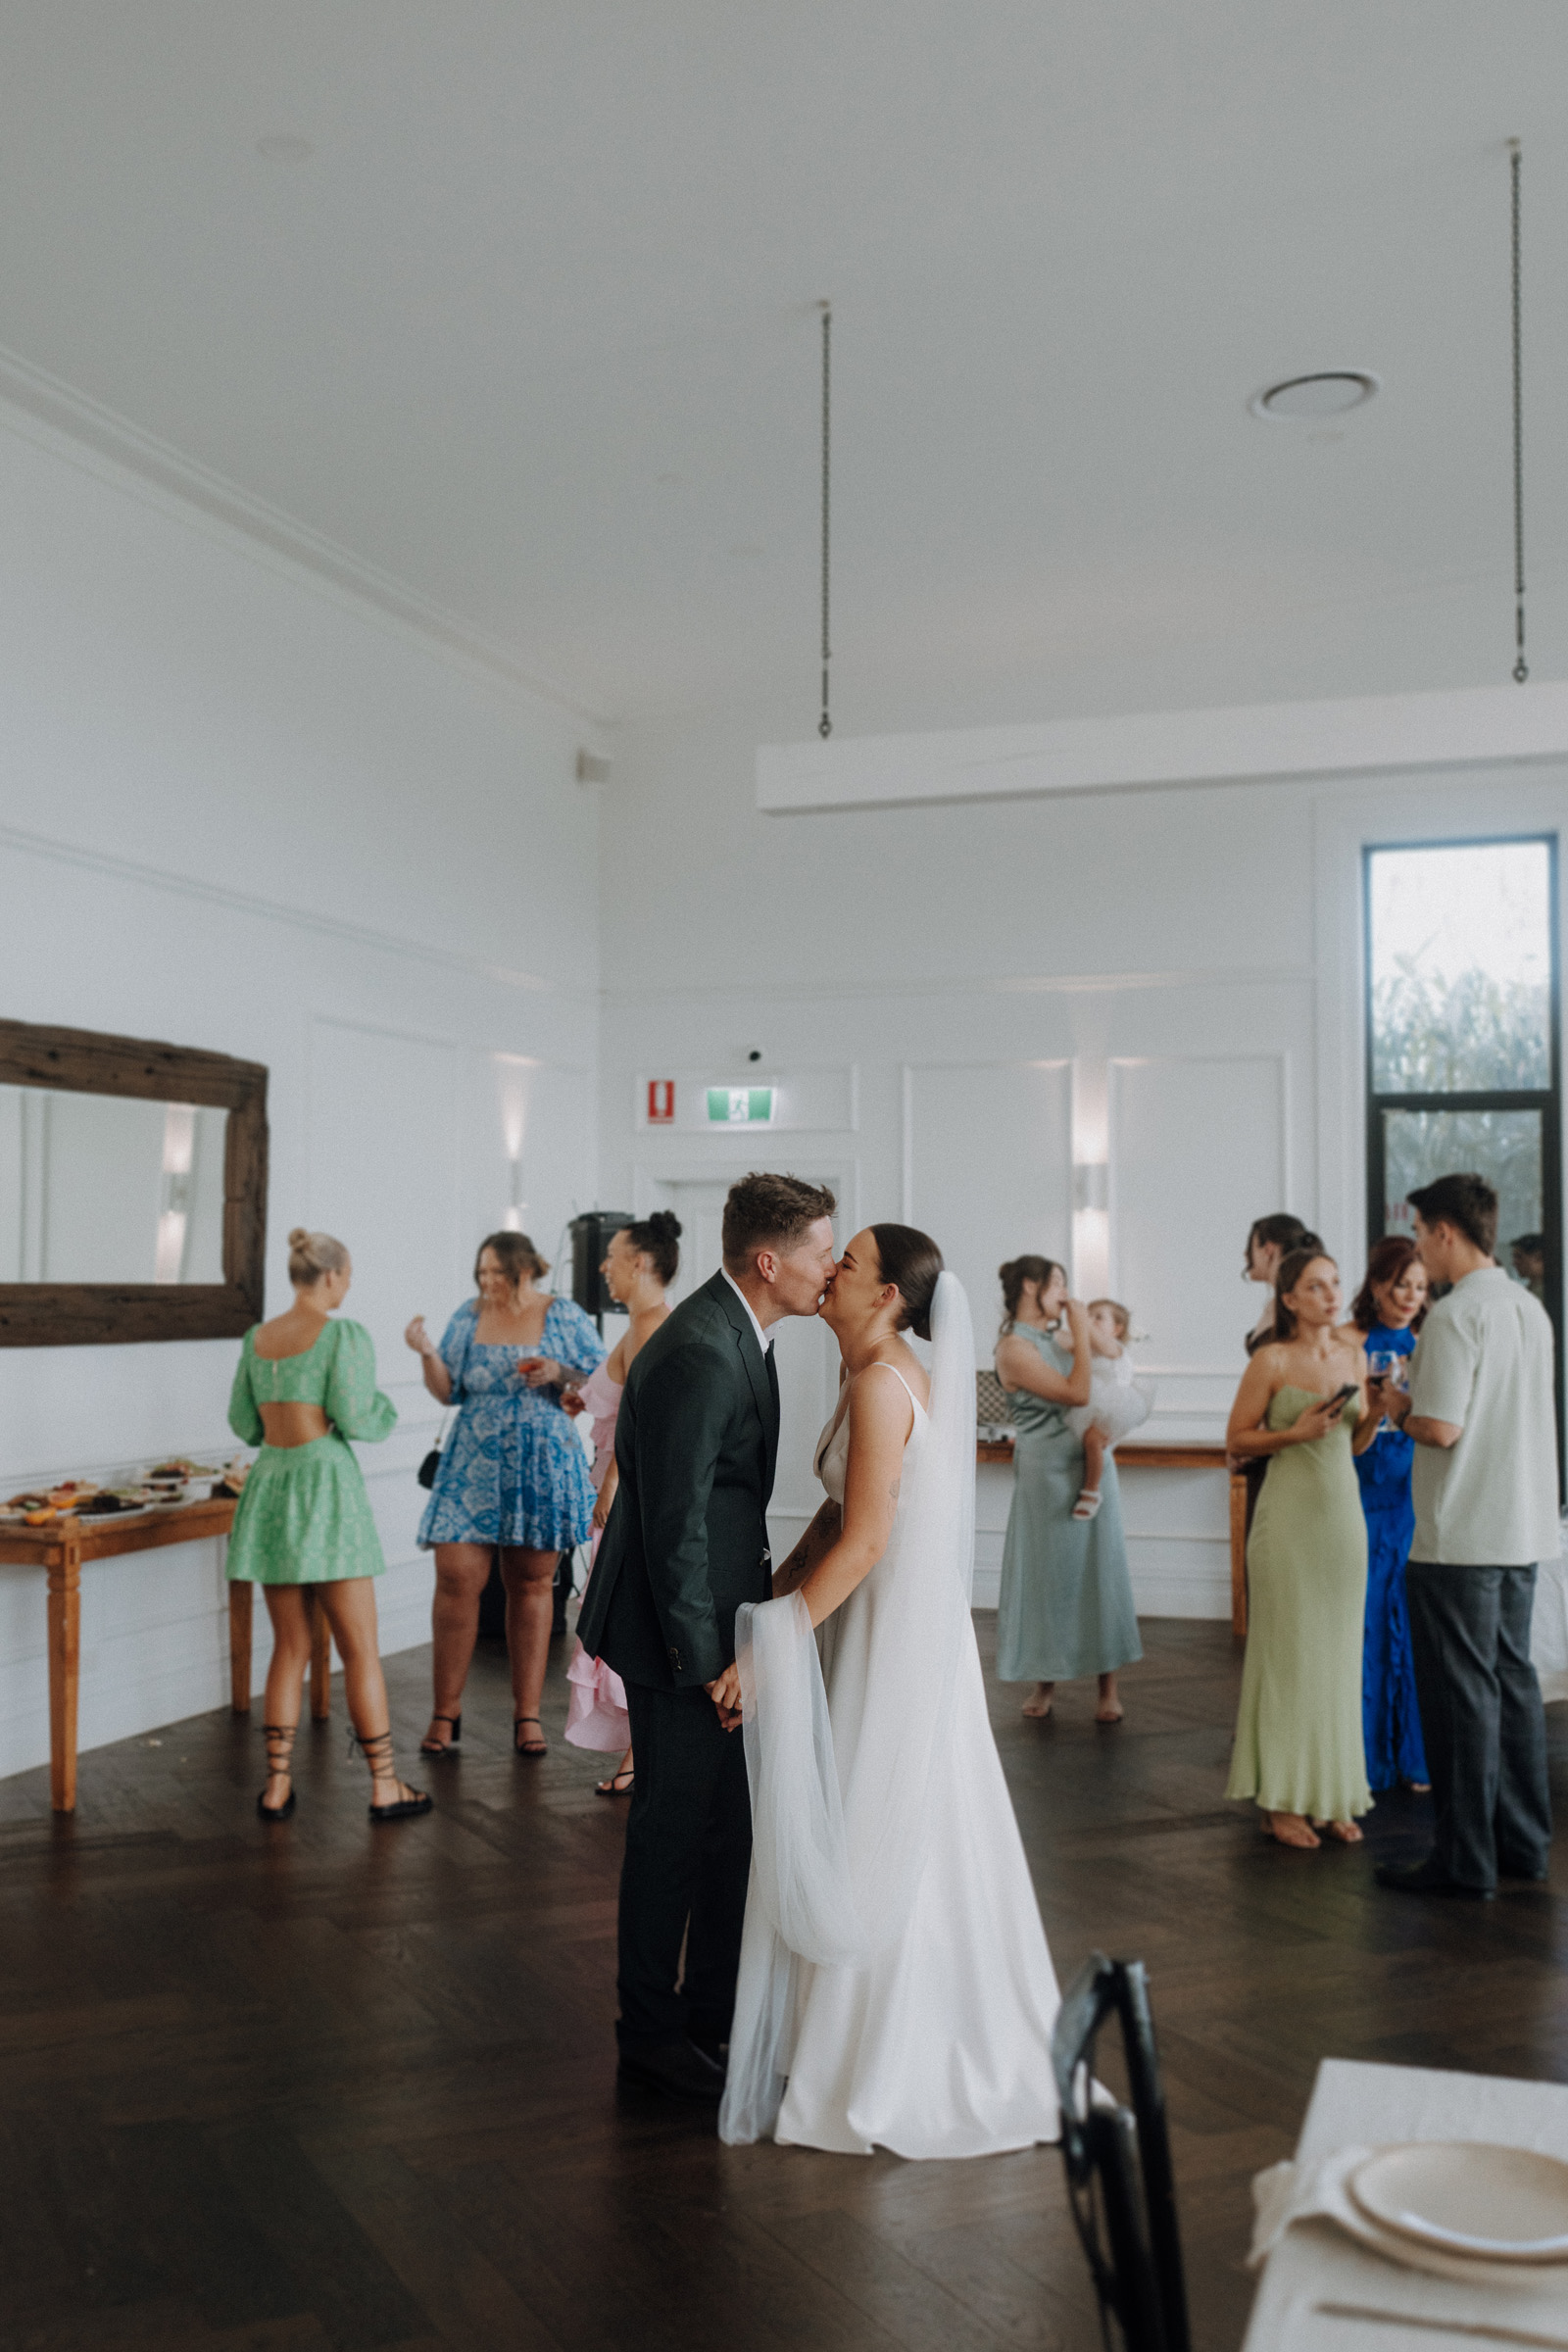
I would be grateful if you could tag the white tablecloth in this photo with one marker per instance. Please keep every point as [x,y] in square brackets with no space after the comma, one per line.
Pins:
[1315,2263]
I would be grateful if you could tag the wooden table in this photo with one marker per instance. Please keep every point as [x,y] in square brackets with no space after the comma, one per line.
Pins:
[1315,2263]
[1176,1456]
[61,1546]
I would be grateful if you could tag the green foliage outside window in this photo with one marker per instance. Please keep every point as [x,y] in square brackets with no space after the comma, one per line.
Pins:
[1474,1033]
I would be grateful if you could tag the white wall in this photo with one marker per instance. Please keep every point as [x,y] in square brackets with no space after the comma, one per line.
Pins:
[243,812]
[958,1002]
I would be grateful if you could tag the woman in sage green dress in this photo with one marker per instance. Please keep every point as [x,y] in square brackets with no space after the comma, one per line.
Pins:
[1066,1606]
[1299,1752]
[302,1528]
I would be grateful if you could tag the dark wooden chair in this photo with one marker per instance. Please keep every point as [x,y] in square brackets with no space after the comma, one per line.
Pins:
[1119,2181]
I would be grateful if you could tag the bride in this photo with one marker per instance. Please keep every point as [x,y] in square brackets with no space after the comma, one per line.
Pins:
[895,1986]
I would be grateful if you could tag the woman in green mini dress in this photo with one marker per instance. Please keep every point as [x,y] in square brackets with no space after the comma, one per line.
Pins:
[1299,1752]
[305,1387]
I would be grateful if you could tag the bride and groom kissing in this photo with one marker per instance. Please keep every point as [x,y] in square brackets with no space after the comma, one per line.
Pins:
[827,1927]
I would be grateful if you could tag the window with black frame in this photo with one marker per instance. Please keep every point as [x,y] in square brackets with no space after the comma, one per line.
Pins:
[1463,1062]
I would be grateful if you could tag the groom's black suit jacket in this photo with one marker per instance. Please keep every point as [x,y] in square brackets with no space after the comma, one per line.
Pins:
[696,1441]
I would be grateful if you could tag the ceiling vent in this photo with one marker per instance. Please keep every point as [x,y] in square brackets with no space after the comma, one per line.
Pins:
[1312,398]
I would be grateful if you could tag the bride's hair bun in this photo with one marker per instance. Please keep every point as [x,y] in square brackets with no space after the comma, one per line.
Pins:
[657,1239]
[913,1262]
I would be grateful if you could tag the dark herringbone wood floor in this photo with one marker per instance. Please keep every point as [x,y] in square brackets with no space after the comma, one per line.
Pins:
[281,2091]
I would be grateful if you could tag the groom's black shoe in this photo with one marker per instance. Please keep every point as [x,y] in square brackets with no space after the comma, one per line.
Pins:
[679,2068]
[1422,1878]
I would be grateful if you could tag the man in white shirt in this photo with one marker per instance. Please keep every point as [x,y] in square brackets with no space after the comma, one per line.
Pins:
[1482,1410]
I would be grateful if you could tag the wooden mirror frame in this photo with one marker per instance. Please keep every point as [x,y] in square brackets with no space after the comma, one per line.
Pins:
[82,1314]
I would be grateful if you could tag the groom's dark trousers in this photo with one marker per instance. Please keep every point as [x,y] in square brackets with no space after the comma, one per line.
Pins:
[696,1441]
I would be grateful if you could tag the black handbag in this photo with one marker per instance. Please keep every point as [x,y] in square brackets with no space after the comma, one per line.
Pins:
[425,1473]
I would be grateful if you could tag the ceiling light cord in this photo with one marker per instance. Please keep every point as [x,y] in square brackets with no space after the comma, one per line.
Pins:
[1521,668]
[826,722]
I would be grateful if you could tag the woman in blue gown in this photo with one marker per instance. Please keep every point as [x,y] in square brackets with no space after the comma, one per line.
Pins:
[1387,1307]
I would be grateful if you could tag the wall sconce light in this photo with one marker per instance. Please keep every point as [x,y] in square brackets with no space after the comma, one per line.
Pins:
[1091,1185]
[511,1222]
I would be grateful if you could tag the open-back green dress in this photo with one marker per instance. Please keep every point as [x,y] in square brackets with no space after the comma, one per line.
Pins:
[303,1517]
[1299,1746]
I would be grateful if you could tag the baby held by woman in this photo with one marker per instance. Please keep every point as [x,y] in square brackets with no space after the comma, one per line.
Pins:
[1115,1406]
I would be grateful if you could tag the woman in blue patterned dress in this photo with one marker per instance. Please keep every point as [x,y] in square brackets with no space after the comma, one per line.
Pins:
[1386,1313]
[512,1474]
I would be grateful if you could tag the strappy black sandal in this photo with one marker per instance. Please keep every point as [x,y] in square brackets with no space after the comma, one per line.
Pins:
[528,1748]
[443,1748]
[279,1737]
[378,1749]
[619,1784]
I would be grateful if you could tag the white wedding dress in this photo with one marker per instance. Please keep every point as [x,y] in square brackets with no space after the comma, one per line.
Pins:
[896,1991]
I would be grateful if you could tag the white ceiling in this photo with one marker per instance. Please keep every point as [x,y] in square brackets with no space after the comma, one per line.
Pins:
[532,329]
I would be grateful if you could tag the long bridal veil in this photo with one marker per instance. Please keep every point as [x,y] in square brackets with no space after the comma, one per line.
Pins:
[839,1810]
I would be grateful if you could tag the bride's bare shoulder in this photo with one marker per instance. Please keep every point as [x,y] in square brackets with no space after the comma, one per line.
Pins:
[909,1378]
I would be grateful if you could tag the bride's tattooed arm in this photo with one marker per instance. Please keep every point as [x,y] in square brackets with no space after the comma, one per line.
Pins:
[822,1532]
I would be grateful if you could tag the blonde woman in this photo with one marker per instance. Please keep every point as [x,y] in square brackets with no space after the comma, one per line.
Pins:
[306,1385]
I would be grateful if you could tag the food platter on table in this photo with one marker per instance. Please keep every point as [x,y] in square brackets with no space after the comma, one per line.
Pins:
[174,1484]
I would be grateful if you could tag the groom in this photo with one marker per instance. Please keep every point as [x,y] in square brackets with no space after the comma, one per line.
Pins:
[696,1441]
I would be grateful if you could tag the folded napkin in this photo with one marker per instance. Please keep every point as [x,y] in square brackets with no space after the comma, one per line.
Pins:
[1411,2280]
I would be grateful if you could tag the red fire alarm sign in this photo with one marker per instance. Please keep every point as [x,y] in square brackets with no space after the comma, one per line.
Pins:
[660,1101]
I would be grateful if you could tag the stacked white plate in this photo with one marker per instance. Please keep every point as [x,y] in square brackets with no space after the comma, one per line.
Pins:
[1468,2198]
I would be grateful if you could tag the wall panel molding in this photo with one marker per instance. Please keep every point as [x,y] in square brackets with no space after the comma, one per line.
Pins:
[249,903]
[962,984]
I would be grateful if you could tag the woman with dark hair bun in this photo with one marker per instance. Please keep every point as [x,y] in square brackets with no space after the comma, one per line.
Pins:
[1268,1241]
[1066,1606]
[642,1260]
[512,1475]
[1385,1315]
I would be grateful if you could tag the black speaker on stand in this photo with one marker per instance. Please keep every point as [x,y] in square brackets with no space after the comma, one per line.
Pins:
[591,1236]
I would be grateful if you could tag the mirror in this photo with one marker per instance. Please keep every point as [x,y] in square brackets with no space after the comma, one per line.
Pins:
[100,1187]
[133,1189]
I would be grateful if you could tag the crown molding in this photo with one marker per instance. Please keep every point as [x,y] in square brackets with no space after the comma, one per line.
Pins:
[53,415]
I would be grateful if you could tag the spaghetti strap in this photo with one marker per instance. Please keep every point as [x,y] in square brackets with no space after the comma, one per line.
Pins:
[877,1365]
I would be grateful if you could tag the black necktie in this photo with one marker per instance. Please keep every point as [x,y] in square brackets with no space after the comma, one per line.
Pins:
[772,1385]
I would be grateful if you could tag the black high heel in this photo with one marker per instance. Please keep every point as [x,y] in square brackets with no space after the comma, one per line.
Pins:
[378,1749]
[442,1747]
[528,1748]
[279,1737]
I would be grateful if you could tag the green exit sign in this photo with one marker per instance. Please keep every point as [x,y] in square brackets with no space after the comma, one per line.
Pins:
[739,1105]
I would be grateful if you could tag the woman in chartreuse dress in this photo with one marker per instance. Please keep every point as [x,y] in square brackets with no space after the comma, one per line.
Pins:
[512,1475]
[306,1385]
[1299,1751]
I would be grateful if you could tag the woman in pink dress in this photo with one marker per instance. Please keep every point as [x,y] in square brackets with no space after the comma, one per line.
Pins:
[641,1263]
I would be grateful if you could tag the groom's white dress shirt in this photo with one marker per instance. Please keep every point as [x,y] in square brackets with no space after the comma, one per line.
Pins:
[765,1338]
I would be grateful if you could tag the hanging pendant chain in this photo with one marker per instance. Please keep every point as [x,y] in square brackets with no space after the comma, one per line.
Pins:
[825,723]
[1521,669]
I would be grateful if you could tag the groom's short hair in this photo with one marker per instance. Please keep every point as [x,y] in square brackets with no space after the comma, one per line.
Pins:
[770,1213]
